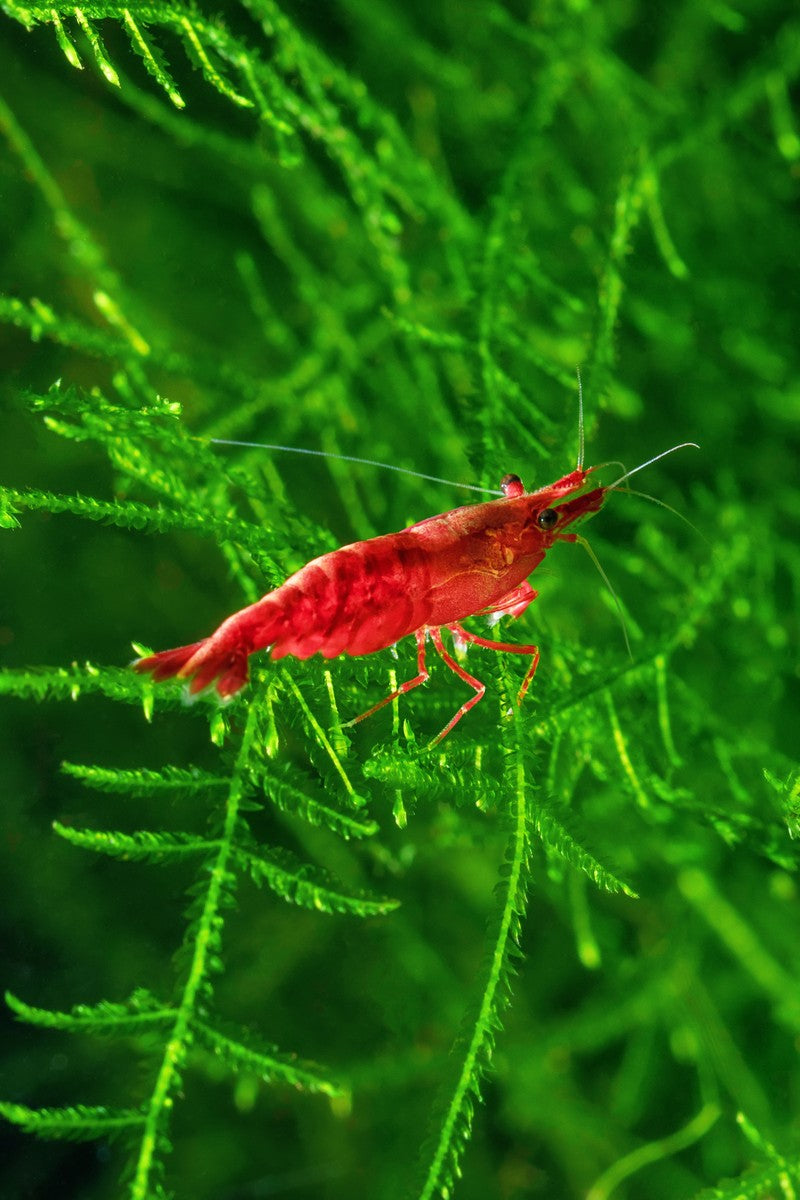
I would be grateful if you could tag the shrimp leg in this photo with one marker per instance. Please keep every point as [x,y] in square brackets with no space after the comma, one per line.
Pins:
[423,673]
[480,688]
[421,677]
[507,647]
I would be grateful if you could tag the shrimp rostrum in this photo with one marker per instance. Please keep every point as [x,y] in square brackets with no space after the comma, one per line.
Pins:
[365,597]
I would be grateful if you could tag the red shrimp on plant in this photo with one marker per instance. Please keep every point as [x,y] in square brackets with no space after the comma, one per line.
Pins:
[362,598]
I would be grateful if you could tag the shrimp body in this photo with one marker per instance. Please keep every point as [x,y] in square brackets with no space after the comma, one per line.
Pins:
[366,596]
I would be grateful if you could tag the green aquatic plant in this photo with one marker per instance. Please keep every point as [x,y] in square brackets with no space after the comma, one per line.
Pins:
[556,955]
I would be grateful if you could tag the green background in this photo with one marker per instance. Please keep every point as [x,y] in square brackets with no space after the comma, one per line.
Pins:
[394,231]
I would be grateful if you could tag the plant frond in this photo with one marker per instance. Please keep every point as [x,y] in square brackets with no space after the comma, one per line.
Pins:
[69,683]
[451,1125]
[241,1051]
[76,1124]
[141,1014]
[155,846]
[128,514]
[144,782]
[281,785]
[202,40]
[154,61]
[199,962]
[451,782]
[93,417]
[563,847]
[307,886]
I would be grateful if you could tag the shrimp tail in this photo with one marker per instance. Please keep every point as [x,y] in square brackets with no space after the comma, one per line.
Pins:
[222,658]
[202,664]
[167,663]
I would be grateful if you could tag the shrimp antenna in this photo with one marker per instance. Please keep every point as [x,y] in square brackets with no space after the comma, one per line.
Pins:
[650,461]
[662,504]
[581,438]
[368,462]
[612,462]
[583,542]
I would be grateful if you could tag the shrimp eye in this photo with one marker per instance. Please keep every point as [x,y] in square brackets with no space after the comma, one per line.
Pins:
[547,518]
[511,486]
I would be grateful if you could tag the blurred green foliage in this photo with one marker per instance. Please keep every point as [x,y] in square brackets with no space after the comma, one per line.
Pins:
[394,230]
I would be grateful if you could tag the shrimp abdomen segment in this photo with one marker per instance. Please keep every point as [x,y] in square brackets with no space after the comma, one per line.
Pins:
[355,600]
